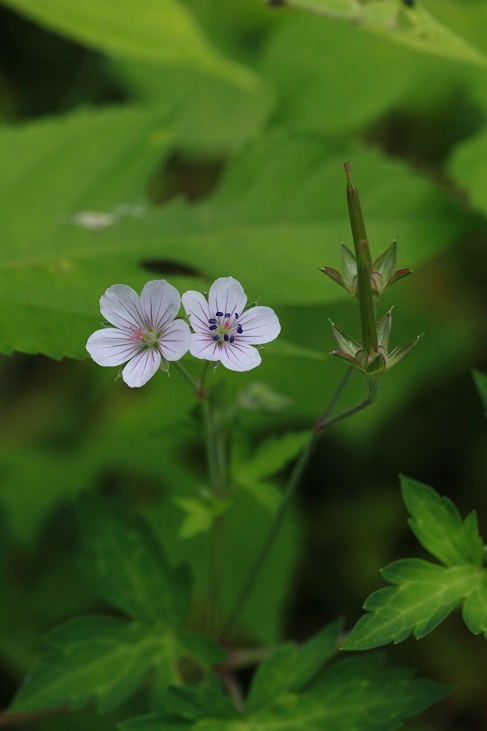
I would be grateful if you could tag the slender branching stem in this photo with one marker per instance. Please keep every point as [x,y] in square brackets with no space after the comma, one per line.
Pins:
[289,491]
[188,377]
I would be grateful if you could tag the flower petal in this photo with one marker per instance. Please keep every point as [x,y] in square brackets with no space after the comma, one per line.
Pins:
[111,347]
[202,346]
[260,325]
[120,305]
[175,340]
[160,303]
[142,367]
[196,307]
[239,356]
[227,296]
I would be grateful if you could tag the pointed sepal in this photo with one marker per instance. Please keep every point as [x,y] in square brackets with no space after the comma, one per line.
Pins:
[348,345]
[400,353]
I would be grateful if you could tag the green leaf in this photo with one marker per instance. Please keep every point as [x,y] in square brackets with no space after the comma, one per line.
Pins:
[126,565]
[94,658]
[210,116]
[52,272]
[467,168]
[88,161]
[481,383]
[200,701]
[155,30]
[414,27]
[268,458]
[290,667]
[475,609]
[264,494]
[309,62]
[356,693]
[423,595]
[200,513]
[437,524]
[273,677]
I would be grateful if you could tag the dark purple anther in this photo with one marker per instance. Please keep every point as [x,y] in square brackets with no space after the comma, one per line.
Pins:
[212,321]
[216,337]
[239,329]
[212,327]
[236,315]
[232,338]
[225,337]
[219,314]
[227,315]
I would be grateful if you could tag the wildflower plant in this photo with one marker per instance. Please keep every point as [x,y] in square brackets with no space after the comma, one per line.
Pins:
[193,666]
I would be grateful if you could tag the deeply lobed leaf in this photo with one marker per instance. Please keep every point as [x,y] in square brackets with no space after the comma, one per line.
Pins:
[95,658]
[126,565]
[424,593]
[437,525]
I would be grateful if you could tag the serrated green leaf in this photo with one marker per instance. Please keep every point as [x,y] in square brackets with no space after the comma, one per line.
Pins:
[356,693]
[126,565]
[414,27]
[155,30]
[481,383]
[95,658]
[315,653]
[88,162]
[290,667]
[423,595]
[193,703]
[273,676]
[437,524]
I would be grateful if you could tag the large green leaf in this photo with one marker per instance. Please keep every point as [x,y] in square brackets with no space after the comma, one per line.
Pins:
[277,215]
[126,566]
[412,26]
[210,116]
[98,658]
[467,167]
[356,693]
[289,667]
[152,30]
[52,171]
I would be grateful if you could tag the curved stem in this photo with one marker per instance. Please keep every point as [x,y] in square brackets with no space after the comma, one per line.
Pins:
[188,377]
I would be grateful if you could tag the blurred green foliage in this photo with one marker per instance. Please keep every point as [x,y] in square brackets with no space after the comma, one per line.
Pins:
[211,136]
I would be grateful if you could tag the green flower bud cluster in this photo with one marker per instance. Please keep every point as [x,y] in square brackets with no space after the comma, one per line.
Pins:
[367,281]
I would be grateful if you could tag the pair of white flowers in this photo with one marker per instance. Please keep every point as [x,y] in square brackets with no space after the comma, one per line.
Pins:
[146,334]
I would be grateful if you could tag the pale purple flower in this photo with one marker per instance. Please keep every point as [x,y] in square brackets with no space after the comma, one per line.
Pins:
[145,335]
[223,331]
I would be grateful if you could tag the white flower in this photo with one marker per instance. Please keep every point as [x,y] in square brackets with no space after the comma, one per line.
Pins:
[145,333]
[223,331]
